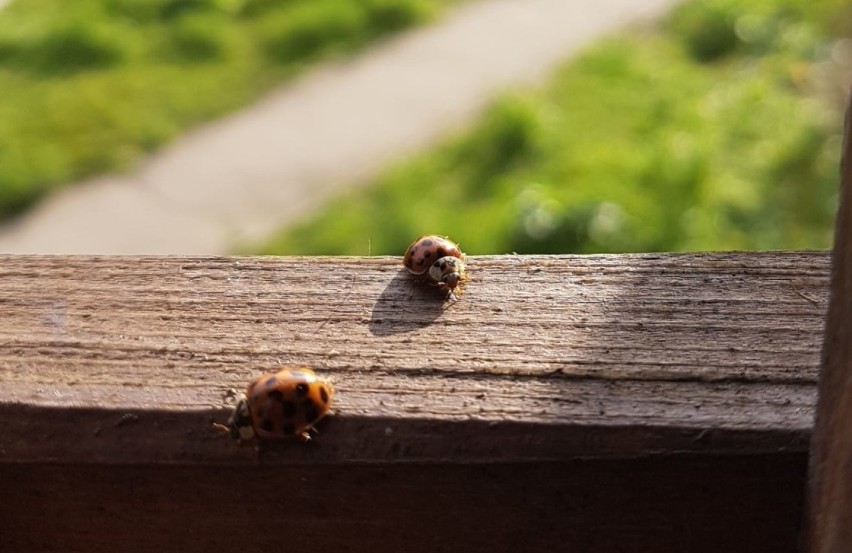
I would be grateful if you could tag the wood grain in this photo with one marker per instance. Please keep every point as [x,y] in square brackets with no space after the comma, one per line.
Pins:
[131,359]
[830,494]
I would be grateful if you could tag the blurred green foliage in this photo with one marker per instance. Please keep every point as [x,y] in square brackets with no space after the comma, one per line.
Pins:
[707,133]
[88,86]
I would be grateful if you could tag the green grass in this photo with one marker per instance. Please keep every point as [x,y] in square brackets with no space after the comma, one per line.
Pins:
[88,86]
[707,133]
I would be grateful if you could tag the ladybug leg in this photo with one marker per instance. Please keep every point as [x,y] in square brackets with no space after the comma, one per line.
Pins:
[449,293]
[221,428]
[305,436]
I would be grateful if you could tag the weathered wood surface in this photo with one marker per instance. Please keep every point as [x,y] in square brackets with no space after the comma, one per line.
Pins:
[575,403]
[830,493]
[130,360]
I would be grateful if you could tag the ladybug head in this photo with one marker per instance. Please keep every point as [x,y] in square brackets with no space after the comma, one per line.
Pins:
[447,271]
[240,425]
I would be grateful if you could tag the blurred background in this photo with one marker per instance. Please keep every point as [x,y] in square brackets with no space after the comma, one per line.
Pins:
[353,126]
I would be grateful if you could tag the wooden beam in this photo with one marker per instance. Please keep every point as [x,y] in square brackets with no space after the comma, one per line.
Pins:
[601,403]
[130,360]
[830,494]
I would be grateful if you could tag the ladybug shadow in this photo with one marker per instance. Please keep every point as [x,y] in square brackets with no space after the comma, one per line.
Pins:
[405,305]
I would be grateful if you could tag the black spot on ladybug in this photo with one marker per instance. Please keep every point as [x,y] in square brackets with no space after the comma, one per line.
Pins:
[311,413]
[301,389]
[266,425]
[442,252]
[323,394]
[288,409]
[270,382]
[427,243]
[427,255]
[288,430]
[422,261]
[408,262]
[276,395]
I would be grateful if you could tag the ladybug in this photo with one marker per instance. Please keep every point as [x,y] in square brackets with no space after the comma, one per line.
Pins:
[281,404]
[438,259]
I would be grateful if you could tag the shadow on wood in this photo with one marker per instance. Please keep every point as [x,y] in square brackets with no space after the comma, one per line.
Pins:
[405,305]
[678,504]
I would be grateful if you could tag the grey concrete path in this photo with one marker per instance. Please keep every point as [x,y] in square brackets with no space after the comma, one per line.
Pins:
[237,180]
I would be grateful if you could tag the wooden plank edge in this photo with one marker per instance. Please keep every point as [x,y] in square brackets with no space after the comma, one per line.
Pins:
[138,436]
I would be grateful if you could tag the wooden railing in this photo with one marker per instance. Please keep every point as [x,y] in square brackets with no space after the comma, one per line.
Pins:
[655,401]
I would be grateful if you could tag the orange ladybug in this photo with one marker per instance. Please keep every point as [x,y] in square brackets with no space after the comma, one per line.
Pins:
[281,404]
[439,260]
